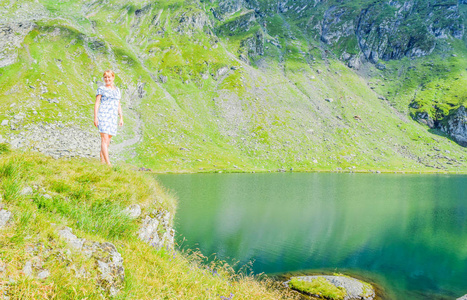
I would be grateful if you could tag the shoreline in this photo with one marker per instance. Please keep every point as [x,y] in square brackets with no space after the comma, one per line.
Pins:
[410,172]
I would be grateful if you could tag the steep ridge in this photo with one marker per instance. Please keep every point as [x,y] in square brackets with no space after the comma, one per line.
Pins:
[235,85]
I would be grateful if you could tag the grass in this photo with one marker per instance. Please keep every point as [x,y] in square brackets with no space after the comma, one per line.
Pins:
[90,198]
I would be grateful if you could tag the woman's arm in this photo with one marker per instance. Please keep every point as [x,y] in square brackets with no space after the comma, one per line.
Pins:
[120,113]
[96,110]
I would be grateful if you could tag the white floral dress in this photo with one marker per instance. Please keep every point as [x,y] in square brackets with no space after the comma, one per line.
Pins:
[108,109]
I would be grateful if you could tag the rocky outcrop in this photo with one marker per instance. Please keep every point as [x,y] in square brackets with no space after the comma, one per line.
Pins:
[108,261]
[410,31]
[190,21]
[252,46]
[424,118]
[355,289]
[337,25]
[456,126]
[226,8]
[11,37]
[156,230]
[243,23]
[462,298]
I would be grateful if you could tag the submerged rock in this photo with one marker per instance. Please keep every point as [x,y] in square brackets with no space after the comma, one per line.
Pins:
[354,288]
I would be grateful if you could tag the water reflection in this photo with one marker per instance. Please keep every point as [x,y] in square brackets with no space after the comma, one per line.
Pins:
[407,231]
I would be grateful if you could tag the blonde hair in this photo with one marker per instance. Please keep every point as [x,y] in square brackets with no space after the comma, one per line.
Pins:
[109,72]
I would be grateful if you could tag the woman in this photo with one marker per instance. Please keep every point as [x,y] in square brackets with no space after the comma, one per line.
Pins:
[106,111]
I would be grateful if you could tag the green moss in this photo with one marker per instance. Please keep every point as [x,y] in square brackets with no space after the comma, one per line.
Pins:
[318,286]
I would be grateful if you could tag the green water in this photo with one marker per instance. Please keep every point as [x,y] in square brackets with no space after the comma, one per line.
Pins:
[407,233]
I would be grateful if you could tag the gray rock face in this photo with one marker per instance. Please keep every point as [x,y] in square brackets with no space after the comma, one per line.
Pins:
[253,46]
[191,21]
[391,37]
[354,288]
[424,118]
[456,126]
[11,37]
[156,230]
[4,217]
[108,261]
[335,27]
[111,274]
[227,7]
[462,298]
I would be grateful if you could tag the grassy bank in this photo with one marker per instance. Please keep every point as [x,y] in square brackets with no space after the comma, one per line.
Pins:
[45,195]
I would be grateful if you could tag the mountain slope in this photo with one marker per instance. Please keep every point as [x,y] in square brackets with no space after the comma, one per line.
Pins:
[221,85]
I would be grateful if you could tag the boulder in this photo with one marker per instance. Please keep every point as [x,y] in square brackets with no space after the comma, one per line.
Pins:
[463,297]
[354,288]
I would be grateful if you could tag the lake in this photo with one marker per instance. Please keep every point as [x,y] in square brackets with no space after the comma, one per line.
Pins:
[406,233]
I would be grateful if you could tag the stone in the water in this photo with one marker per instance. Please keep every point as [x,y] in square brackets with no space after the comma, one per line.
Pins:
[463,297]
[355,289]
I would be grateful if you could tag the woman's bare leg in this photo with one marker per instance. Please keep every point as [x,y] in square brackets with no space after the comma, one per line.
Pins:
[105,142]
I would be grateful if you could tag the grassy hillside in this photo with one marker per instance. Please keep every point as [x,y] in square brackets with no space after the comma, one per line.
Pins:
[44,196]
[231,95]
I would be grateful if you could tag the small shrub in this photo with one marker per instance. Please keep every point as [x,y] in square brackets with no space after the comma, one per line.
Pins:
[4,148]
